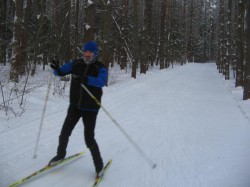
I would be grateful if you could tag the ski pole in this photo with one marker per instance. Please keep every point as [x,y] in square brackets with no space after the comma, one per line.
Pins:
[149,161]
[42,118]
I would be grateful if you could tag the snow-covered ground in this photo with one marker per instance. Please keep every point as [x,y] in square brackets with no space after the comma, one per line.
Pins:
[190,121]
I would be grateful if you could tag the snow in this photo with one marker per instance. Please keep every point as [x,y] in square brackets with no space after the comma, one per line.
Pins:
[87,26]
[90,2]
[188,120]
[214,6]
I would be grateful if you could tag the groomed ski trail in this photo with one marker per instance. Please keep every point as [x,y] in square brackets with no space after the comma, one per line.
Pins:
[184,118]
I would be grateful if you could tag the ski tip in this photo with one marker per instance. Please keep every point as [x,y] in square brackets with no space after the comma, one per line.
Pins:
[110,161]
[82,153]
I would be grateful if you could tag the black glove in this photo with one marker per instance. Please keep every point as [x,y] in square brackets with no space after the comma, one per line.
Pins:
[79,79]
[54,65]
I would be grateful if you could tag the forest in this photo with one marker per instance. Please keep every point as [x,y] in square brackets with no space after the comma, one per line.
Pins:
[134,34]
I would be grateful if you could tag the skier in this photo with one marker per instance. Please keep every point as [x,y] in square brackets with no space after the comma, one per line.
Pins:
[93,74]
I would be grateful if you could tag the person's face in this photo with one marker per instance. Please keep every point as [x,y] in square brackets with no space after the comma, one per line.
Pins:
[88,56]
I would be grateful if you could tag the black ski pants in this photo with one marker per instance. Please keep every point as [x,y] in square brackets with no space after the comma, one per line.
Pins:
[89,121]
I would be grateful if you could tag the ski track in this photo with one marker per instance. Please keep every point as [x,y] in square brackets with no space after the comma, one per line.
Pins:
[180,128]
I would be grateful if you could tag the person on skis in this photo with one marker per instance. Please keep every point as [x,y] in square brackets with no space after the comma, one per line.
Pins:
[93,74]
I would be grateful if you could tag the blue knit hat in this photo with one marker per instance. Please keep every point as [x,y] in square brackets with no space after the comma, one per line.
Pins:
[91,46]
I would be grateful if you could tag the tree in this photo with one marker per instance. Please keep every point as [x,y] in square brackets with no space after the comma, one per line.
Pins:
[135,37]
[246,92]
[3,31]
[240,44]
[124,26]
[221,39]
[162,35]
[146,40]
[228,44]
[106,28]
[89,28]
[18,65]
[193,30]
[75,34]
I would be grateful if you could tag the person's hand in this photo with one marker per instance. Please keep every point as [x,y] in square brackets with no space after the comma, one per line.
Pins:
[54,64]
[79,79]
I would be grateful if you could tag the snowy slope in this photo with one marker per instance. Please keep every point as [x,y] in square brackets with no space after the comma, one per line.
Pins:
[188,120]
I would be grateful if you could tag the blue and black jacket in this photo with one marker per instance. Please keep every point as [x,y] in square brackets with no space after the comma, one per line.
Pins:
[94,76]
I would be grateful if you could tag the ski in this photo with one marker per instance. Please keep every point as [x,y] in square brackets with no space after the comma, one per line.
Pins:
[99,179]
[46,168]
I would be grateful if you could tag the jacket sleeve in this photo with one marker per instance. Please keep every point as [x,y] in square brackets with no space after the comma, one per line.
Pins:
[100,80]
[64,69]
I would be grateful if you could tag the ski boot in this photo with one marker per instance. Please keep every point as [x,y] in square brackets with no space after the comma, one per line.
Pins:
[61,153]
[56,160]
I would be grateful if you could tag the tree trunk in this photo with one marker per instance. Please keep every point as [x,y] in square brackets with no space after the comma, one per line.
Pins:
[190,44]
[246,93]
[145,55]
[124,27]
[106,33]
[240,45]
[65,52]
[185,30]
[89,29]
[57,28]
[3,31]
[76,24]
[135,38]
[17,67]
[162,35]
[221,47]
[228,45]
